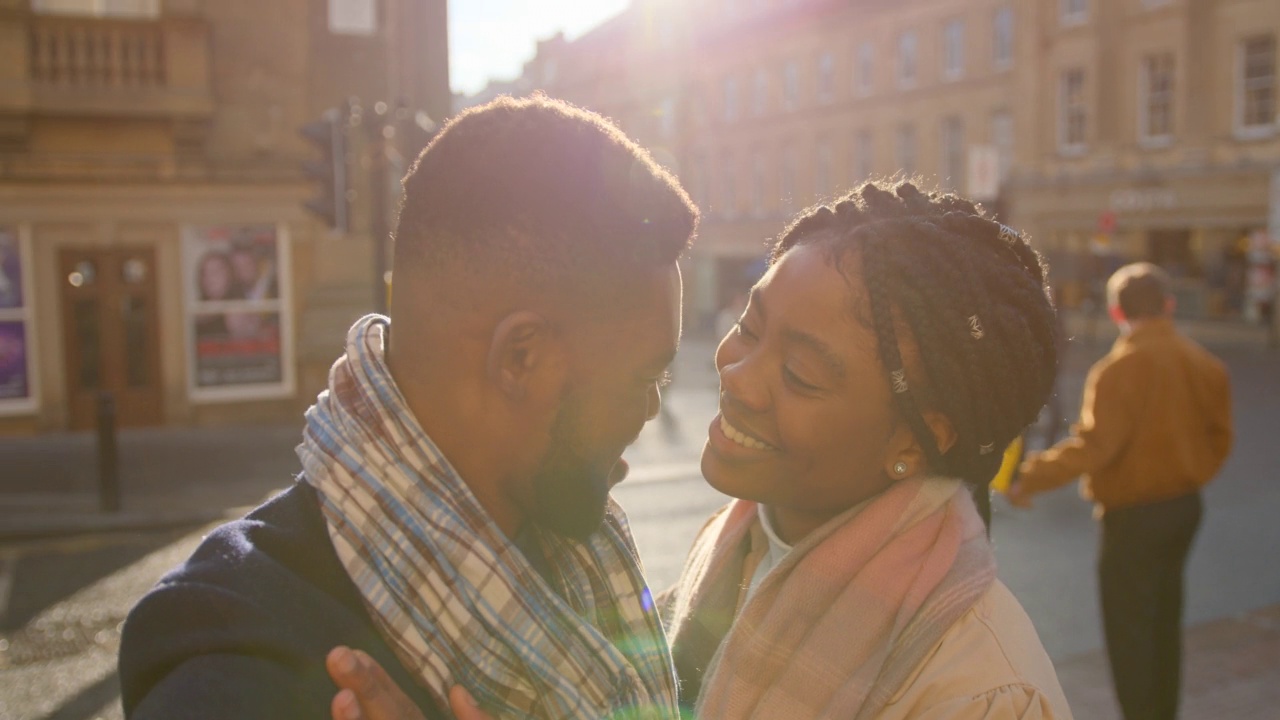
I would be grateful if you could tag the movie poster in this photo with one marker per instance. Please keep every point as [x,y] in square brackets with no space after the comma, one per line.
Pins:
[234,296]
[10,270]
[14,384]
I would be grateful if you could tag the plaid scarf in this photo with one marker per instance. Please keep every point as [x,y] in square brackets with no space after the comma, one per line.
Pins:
[454,597]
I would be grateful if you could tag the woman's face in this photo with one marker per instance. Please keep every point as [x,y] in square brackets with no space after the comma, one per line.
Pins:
[806,421]
[215,277]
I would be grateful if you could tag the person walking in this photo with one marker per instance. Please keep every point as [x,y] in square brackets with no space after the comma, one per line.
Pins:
[1155,427]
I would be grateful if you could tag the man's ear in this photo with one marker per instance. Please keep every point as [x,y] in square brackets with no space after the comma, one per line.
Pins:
[1117,315]
[525,356]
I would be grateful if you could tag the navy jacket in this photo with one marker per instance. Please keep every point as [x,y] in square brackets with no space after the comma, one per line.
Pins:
[242,628]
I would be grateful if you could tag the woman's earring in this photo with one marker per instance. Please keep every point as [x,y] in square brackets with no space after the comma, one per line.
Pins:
[899,468]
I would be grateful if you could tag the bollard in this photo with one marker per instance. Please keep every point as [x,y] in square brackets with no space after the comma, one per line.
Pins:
[108,457]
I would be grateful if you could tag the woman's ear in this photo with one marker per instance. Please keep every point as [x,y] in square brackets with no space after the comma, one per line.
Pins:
[906,457]
[944,433]
[524,357]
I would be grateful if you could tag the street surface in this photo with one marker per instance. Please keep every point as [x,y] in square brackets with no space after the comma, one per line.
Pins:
[62,600]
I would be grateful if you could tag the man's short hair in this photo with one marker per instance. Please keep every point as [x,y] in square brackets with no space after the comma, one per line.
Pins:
[1140,290]
[538,192]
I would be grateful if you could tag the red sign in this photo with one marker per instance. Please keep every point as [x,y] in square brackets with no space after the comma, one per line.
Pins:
[1107,222]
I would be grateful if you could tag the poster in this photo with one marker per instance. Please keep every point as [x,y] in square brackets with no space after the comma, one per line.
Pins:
[10,270]
[14,384]
[234,302]
[237,348]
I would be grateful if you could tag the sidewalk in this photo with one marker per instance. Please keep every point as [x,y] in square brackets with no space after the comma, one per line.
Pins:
[1230,670]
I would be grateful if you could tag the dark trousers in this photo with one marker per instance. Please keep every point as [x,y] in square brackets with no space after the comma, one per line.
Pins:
[1140,572]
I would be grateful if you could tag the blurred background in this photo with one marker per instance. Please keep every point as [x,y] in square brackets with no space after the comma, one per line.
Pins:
[196,197]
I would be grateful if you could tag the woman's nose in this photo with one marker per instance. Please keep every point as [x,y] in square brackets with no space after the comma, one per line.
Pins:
[740,381]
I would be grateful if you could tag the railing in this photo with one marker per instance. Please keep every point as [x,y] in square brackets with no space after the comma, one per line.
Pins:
[106,67]
[98,53]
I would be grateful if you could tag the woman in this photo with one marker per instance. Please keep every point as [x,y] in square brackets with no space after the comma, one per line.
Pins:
[897,344]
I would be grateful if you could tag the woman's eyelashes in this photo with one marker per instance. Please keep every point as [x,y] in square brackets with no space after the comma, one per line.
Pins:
[796,381]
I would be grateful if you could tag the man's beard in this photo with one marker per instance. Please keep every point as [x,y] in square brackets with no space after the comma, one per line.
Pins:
[569,493]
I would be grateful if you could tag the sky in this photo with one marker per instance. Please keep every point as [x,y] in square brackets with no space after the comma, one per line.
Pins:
[493,38]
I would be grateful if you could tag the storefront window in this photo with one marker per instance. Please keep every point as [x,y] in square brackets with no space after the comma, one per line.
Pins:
[17,387]
[236,312]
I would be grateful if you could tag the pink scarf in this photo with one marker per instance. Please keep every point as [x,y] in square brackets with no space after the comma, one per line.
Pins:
[840,624]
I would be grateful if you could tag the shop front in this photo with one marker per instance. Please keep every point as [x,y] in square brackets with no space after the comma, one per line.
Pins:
[179,317]
[1199,227]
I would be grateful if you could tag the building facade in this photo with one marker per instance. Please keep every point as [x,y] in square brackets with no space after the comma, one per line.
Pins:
[1157,138]
[1111,131]
[153,241]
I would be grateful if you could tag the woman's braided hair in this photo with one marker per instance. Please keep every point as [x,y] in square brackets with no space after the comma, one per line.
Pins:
[971,295]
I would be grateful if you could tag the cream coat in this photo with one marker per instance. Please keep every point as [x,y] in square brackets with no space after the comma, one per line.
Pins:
[990,665]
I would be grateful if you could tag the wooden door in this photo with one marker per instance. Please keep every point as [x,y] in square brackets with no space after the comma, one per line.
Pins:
[111,334]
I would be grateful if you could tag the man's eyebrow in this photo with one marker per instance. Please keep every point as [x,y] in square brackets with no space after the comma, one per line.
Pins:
[823,350]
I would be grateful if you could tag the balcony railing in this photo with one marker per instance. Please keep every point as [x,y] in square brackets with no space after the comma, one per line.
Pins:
[100,54]
[83,66]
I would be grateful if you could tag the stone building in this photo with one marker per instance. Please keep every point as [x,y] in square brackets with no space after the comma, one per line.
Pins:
[153,241]
[1156,137]
[1112,131]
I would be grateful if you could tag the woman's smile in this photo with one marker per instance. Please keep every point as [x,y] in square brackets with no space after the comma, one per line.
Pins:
[733,442]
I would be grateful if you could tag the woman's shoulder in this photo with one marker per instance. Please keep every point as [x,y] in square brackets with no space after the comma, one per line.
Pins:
[990,663]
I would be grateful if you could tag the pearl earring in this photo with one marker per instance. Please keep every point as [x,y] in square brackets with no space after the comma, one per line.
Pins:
[899,468]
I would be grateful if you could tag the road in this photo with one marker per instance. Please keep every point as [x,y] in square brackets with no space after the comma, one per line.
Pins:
[61,601]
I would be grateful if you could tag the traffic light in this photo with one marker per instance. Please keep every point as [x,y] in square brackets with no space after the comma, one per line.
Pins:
[332,202]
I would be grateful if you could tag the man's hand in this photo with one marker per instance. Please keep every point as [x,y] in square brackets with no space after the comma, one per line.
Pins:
[366,692]
[1018,495]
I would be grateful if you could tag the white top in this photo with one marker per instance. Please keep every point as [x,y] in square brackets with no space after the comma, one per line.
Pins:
[777,551]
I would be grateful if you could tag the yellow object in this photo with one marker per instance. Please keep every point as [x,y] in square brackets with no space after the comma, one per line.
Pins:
[1009,466]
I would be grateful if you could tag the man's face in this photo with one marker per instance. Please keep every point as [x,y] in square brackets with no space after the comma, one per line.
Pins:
[619,369]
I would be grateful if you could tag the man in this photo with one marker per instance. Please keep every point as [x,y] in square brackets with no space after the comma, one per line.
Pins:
[1155,427]
[452,518]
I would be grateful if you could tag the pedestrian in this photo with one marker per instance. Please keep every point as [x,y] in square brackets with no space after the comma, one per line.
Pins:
[452,516]
[897,343]
[1155,427]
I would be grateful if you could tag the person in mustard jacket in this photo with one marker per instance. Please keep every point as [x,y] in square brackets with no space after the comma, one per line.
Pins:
[1155,427]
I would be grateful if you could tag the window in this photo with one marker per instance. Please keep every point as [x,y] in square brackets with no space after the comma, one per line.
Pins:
[862,161]
[787,178]
[667,117]
[353,17]
[1002,39]
[790,85]
[701,181]
[822,168]
[17,351]
[865,68]
[1155,117]
[730,99]
[728,189]
[1257,90]
[757,182]
[1073,12]
[953,49]
[826,78]
[953,150]
[907,47]
[100,8]
[1072,111]
[1002,139]
[237,299]
[760,92]
[906,148]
